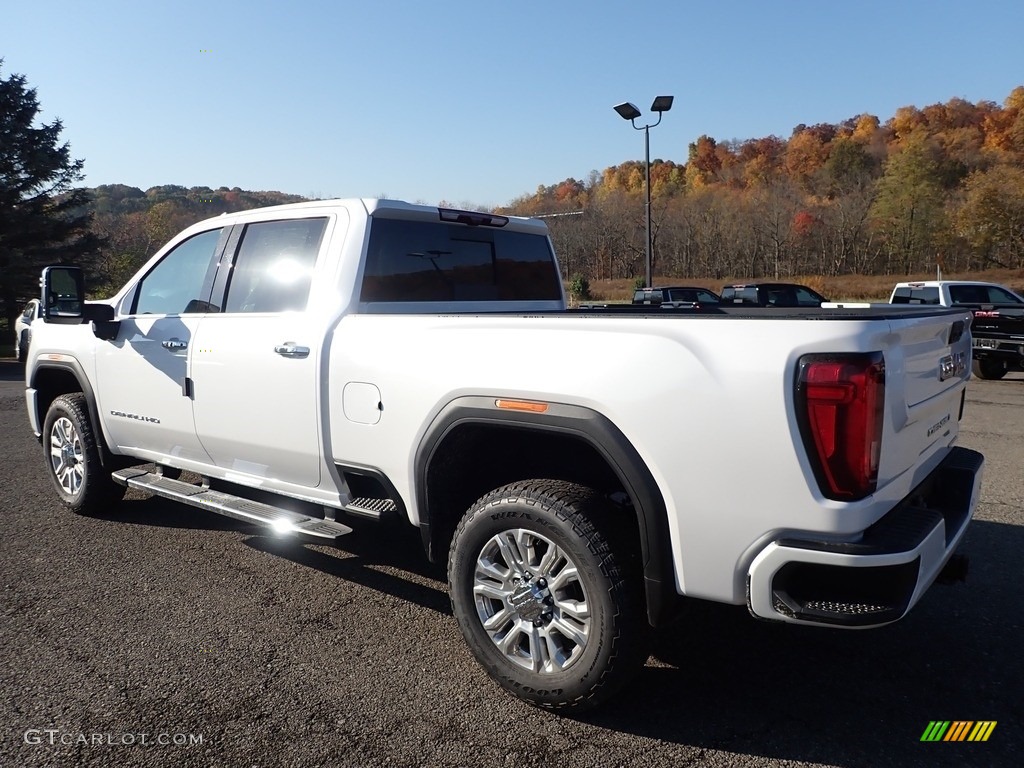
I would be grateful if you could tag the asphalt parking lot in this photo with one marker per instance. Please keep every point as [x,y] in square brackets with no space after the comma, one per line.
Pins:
[164,635]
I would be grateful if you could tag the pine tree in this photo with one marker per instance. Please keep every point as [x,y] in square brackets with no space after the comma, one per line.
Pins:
[43,218]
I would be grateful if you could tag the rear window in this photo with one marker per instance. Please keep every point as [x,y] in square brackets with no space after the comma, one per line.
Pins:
[908,295]
[426,261]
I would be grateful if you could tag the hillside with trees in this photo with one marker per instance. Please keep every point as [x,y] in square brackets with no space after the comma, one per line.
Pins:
[942,185]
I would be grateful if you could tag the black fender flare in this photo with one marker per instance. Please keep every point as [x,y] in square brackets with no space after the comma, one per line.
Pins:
[73,367]
[601,434]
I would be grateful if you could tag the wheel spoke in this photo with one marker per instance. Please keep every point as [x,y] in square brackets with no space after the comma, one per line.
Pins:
[486,589]
[539,659]
[509,547]
[576,635]
[498,620]
[576,609]
[563,577]
[509,644]
[556,656]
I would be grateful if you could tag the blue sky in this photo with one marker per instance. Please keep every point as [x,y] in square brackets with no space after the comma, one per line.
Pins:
[474,102]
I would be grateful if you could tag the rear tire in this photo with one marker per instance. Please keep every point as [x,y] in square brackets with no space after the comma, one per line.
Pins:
[989,369]
[545,586]
[73,458]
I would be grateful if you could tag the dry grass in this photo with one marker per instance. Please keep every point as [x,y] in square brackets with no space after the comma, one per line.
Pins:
[843,288]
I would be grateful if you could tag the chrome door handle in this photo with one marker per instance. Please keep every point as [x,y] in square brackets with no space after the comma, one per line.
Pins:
[174,344]
[291,349]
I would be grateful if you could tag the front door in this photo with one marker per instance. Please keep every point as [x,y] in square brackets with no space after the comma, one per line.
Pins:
[142,372]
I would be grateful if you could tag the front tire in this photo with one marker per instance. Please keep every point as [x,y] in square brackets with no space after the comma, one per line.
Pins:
[545,587]
[73,457]
[989,369]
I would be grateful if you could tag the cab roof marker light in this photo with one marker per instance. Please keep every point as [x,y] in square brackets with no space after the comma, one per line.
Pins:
[472,218]
[521,405]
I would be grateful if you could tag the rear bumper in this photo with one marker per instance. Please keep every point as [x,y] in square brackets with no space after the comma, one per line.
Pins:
[878,578]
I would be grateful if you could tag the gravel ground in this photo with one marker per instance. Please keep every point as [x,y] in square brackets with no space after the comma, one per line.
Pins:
[162,623]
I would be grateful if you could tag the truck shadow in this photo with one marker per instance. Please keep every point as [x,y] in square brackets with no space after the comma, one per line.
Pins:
[721,680]
[385,557]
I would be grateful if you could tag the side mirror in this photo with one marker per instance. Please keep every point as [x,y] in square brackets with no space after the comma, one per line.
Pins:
[63,292]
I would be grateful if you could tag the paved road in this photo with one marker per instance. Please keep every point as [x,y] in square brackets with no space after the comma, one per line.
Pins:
[178,624]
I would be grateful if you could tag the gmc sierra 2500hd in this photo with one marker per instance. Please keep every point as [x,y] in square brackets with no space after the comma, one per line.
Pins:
[375,358]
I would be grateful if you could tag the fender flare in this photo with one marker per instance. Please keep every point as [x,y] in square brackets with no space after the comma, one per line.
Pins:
[73,367]
[607,440]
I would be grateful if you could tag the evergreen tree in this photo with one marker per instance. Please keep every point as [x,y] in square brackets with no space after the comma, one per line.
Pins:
[43,218]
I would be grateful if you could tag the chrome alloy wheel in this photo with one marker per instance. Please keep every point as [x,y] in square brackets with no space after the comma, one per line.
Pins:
[66,455]
[531,601]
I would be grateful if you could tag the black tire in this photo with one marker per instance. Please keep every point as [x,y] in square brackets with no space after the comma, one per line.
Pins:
[22,344]
[564,521]
[73,458]
[989,369]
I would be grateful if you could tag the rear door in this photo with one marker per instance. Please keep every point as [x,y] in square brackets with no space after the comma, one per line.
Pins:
[254,365]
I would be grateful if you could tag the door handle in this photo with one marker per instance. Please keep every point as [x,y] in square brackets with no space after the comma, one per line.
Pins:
[291,349]
[173,344]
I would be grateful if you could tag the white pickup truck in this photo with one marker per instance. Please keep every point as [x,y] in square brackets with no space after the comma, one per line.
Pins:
[578,470]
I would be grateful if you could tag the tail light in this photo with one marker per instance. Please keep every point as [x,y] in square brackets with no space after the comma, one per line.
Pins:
[840,402]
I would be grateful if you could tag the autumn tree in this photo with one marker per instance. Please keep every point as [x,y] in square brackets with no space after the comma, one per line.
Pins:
[42,216]
[908,209]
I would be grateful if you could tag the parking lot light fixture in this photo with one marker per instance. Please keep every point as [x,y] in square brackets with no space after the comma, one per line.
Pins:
[628,111]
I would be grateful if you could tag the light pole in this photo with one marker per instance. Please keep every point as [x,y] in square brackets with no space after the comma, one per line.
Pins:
[629,112]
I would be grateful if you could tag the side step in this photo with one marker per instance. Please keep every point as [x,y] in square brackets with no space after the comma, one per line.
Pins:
[281,520]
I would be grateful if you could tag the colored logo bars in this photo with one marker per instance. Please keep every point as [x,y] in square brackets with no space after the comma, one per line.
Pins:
[958,730]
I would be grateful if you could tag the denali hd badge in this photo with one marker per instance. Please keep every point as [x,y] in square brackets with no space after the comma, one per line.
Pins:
[952,365]
[123,415]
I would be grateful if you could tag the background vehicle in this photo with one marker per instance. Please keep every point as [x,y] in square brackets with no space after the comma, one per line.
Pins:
[377,359]
[23,329]
[676,294]
[772,295]
[998,327]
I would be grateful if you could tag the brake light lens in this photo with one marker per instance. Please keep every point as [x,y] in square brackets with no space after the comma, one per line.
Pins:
[840,402]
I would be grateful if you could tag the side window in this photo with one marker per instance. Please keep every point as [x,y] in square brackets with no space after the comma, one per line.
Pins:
[179,283]
[274,267]
[807,299]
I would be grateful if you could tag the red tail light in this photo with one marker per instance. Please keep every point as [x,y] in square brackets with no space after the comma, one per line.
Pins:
[840,401]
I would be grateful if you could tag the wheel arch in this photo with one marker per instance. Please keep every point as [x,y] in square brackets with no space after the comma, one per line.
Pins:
[51,379]
[458,460]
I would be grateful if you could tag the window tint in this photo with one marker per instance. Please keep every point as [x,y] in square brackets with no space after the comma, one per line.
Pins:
[426,261]
[274,267]
[908,295]
[808,298]
[179,284]
[981,294]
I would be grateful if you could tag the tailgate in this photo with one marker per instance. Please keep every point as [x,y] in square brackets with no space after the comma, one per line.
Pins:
[926,370]
[999,322]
